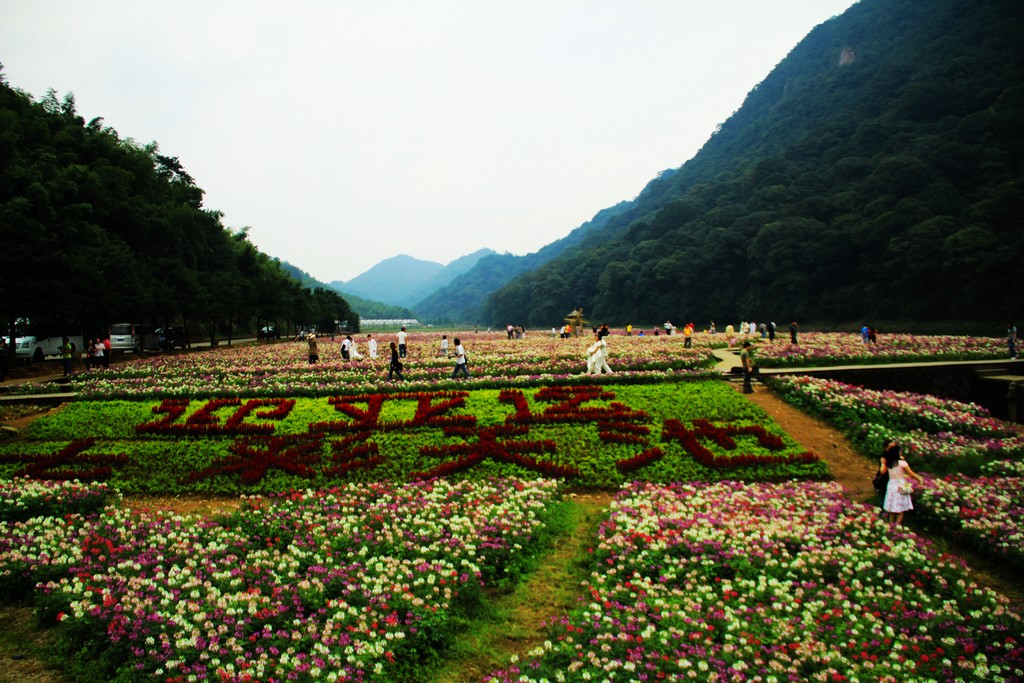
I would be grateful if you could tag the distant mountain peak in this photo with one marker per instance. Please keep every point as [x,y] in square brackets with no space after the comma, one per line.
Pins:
[403,280]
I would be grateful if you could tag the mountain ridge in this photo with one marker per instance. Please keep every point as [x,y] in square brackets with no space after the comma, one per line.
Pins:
[874,174]
[403,280]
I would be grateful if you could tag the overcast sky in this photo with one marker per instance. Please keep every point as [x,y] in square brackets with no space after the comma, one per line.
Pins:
[343,133]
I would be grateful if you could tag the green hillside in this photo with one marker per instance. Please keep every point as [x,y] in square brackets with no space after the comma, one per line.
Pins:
[463,299]
[874,174]
[96,229]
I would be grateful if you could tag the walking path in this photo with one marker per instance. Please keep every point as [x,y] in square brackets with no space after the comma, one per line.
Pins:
[853,471]
[729,359]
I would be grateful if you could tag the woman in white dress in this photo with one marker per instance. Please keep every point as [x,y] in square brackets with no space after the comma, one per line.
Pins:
[592,354]
[897,493]
[597,356]
[353,351]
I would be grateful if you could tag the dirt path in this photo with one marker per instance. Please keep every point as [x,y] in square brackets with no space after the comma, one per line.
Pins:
[854,472]
[851,469]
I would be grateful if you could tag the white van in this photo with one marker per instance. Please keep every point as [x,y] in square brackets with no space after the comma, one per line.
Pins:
[31,347]
[132,337]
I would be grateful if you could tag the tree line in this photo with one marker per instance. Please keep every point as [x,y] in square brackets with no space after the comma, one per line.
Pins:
[97,229]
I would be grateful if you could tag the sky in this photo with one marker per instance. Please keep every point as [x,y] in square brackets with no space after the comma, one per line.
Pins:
[342,133]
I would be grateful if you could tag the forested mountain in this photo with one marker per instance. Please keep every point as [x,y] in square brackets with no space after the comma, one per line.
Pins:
[363,308]
[97,229]
[456,268]
[375,310]
[875,174]
[392,281]
[403,280]
[461,300]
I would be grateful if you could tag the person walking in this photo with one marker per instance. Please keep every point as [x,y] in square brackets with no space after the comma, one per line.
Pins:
[592,353]
[1011,339]
[898,490]
[748,368]
[401,342]
[601,357]
[444,346]
[891,453]
[792,332]
[371,344]
[395,366]
[66,353]
[314,355]
[460,361]
[346,344]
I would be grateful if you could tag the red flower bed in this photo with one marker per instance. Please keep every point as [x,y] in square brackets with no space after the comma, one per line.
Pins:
[702,429]
[205,421]
[66,464]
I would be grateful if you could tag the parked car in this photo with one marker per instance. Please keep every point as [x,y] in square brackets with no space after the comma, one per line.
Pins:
[172,336]
[132,337]
[269,332]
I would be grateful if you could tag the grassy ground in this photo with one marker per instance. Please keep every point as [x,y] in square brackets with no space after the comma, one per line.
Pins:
[512,622]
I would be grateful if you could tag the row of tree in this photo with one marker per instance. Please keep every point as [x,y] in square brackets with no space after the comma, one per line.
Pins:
[97,229]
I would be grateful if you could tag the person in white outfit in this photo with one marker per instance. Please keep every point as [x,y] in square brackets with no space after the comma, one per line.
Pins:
[602,362]
[592,354]
[353,352]
[371,344]
[597,356]
[401,342]
[897,493]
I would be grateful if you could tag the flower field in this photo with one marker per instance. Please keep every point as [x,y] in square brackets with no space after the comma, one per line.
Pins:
[378,518]
[771,582]
[282,369]
[363,583]
[728,581]
[22,499]
[986,511]
[942,435]
[831,348]
[939,437]
[586,435]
